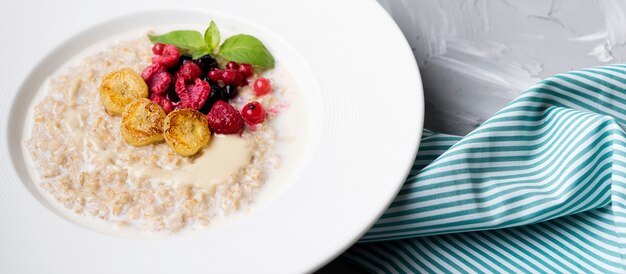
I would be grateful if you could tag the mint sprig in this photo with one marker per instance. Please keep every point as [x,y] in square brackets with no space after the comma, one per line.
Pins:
[189,40]
[212,37]
[241,48]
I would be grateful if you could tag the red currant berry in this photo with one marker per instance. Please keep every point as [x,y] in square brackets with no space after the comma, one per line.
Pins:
[232,65]
[157,49]
[215,74]
[231,76]
[253,113]
[245,70]
[262,86]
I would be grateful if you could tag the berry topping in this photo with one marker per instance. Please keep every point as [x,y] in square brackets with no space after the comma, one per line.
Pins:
[245,70]
[172,95]
[157,49]
[192,96]
[253,113]
[232,65]
[216,94]
[232,76]
[157,78]
[166,104]
[184,58]
[206,63]
[225,119]
[262,86]
[151,70]
[230,91]
[189,71]
[168,57]
[215,74]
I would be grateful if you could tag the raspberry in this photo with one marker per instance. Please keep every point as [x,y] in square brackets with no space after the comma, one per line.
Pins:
[150,70]
[189,71]
[168,56]
[184,58]
[225,119]
[157,49]
[245,70]
[166,104]
[192,96]
[157,78]
[253,113]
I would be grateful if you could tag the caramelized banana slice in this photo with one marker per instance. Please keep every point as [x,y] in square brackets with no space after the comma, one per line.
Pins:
[119,88]
[142,123]
[186,131]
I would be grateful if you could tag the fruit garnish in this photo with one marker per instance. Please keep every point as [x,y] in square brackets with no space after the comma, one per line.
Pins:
[172,95]
[157,78]
[231,65]
[232,76]
[206,63]
[184,58]
[164,102]
[189,71]
[186,131]
[229,92]
[225,119]
[119,88]
[168,57]
[253,113]
[215,74]
[216,94]
[245,70]
[142,123]
[157,48]
[262,86]
[192,96]
[240,48]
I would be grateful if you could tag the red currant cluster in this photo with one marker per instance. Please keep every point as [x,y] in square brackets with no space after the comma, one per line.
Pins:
[232,74]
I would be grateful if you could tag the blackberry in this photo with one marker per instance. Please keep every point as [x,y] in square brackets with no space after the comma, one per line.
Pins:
[214,96]
[230,91]
[219,92]
[172,95]
[206,63]
[184,58]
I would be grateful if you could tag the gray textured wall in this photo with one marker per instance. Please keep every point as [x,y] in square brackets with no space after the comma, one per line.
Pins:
[476,56]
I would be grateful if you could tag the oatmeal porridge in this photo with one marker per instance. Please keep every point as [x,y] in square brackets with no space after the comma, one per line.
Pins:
[86,165]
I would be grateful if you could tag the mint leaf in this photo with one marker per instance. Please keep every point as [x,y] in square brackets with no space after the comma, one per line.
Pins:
[199,53]
[212,37]
[243,48]
[183,39]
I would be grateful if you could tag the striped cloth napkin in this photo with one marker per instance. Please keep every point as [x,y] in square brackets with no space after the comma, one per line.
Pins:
[540,187]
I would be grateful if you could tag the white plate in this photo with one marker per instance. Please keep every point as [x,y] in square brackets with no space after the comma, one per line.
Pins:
[364,96]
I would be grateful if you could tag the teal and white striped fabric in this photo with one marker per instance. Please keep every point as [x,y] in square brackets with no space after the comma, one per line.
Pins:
[540,187]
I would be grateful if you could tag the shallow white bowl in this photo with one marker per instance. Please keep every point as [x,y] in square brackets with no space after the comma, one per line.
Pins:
[364,98]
